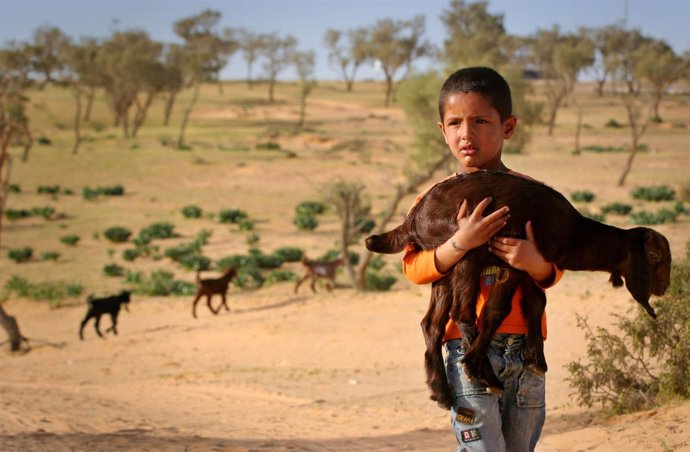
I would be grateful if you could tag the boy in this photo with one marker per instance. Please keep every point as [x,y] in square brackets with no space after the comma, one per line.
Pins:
[475,107]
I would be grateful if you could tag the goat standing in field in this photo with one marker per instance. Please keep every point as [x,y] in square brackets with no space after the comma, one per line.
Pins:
[213,286]
[640,256]
[106,305]
[319,269]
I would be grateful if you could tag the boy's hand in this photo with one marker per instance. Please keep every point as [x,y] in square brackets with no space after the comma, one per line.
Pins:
[522,254]
[476,229]
[473,230]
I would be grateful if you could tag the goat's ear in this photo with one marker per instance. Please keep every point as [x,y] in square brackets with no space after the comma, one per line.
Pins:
[616,280]
[638,277]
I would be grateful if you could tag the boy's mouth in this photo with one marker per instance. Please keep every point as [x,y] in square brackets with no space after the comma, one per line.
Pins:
[468,150]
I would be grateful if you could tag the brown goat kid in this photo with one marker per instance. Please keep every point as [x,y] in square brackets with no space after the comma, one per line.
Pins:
[319,269]
[640,256]
[213,286]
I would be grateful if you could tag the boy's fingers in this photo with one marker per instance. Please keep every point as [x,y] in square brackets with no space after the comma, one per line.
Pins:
[479,210]
[529,232]
[462,213]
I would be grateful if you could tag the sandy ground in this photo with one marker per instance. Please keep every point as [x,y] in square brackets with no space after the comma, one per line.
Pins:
[280,372]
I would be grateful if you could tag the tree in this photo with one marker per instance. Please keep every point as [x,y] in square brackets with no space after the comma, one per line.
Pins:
[46,49]
[250,44]
[11,327]
[304,64]
[394,45]
[200,57]
[347,51]
[560,59]
[15,66]
[173,78]
[486,43]
[602,39]
[278,53]
[657,64]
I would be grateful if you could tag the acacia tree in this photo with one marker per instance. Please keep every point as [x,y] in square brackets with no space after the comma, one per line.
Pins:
[394,45]
[46,50]
[657,64]
[486,43]
[347,51]
[15,66]
[278,54]
[603,67]
[173,78]
[250,44]
[304,65]
[560,59]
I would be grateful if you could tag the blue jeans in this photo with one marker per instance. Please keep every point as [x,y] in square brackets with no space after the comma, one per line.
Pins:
[485,422]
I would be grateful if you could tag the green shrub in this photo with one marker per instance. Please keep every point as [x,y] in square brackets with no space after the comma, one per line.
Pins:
[377,263]
[44,140]
[237,261]
[177,253]
[161,230]
[50,256]
[268,261]
[232,215]
[289,253]
[14,188]
[645,361]
[312,207]
[617,208]
[131,254]
[378,282]
[46,212]
[70,240]
[582,196]
[654,193]
[680,208]
[53,292]
[49,189]
[252,238]
[268,146]
[195,262]
[117,234]
[20,255]
[191,211]
[276,276]
[662,216]
[334,254]
[114,270]
[600,149]
[613,124]
[16,214]
[159,283]
[306,222]
[365,225]
[93,193]
[246,225]
[248,276]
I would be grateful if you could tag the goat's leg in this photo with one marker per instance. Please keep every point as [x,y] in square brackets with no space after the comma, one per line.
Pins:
[196,300]
[496,309]
[330,284]
[97,324]
[313,284]
[208,303]
[224,303]
[434,328]
[300,281]
[113,328]
[533,304]
[465,286]
[83,324]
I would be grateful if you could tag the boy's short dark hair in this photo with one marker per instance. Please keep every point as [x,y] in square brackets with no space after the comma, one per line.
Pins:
[483,80]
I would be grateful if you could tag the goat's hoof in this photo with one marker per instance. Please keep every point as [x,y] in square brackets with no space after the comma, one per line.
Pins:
[534,368]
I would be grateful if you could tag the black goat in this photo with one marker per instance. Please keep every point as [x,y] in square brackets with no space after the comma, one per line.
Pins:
[107,305]
[563,236]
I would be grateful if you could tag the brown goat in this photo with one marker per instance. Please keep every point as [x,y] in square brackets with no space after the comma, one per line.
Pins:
[563,236]
[319,269]
[213,286]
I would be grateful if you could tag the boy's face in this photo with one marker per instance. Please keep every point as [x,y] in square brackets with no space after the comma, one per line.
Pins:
[474,132]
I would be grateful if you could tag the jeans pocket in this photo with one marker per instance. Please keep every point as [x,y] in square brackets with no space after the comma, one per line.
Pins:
[531,390]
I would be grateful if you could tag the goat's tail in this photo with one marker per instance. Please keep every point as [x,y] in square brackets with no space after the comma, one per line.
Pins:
[390,242]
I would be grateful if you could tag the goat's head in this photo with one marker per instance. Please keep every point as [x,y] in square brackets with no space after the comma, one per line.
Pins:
[124,299]
[230,273]
[647,267]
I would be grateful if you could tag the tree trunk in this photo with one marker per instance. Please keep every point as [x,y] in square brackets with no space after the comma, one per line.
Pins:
[5,169]
[140,114]
[89,104]
[77,121]
[578,128]
[169,108]
[29,142]
[271,87]
[187,114]
[389,90]
[9,323]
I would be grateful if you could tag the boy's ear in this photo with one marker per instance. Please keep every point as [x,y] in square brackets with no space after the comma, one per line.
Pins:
[509,126]
[443,130]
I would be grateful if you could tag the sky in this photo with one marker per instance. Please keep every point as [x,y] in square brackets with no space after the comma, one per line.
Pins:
[308,20]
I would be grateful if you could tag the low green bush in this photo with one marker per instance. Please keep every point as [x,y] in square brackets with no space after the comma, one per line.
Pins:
[160,230]
[289,253]
[191,211]
[654,193]
[232,215]
[662,216]
[17,214]
[50,256]
[70,240]
[53,292]
[643,362]
[114,270]
[117,234]
[582,196]
[313,207]
[377,282]
[613,124]
[617,208]
[89,193]
[195,262]
[131,254]
[20,255]
[159,283]
[48,189]
[14,188]
[276,276]
[46,212]
[306,221]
